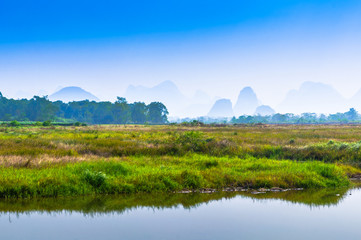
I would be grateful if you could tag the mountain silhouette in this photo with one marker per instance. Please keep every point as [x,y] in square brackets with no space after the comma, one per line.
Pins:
[247,102]
[355,101]
[313,97]
[70,94]
[221,108]
[264,110]
[199,105]
[166,92]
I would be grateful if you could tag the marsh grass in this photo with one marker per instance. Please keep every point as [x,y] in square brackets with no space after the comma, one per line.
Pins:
[106,159]
[323,143]
[165,174]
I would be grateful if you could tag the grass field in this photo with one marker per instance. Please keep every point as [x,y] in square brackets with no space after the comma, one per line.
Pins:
[108,159]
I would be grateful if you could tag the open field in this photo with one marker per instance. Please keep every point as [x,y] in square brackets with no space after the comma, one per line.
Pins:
[107,159]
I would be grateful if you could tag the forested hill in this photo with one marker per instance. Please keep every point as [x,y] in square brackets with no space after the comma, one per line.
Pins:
[120,112]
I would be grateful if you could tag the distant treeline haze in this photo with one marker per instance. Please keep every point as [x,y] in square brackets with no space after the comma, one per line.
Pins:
[351,116]
[120,112]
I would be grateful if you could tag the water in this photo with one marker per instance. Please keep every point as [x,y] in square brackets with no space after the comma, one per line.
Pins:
[308,215]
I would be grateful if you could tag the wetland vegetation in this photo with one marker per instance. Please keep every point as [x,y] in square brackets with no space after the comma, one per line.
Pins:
[110,159]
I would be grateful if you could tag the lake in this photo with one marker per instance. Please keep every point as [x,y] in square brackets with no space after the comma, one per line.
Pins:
[317,214]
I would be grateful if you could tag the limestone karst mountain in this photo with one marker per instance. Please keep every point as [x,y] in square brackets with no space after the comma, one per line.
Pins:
[69,94]
[355,101]
[313,97]
[201,97]
[264,110]
[247,102]
[221,108]
[199,105]
[166,92]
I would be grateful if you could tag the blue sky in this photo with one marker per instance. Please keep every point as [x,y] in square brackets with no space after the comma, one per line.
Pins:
[217,46]
[36,21]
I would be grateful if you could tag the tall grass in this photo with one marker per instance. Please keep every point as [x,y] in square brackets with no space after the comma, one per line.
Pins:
[323,143]
[62,161]
[165,174]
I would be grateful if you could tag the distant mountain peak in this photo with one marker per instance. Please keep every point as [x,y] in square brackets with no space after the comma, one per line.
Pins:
[71,88]
[72,93]
[264,110]
[166,86]
[314,97]
[316,86]
[247,90]
[221,108]
[167,83]
[247,102]
[166,92]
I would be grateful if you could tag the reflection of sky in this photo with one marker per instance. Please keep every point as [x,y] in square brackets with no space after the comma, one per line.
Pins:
[272,46]
[236,218]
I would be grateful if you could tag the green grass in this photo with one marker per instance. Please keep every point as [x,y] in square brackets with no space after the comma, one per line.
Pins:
[110,159]
[165,174]
[322,143]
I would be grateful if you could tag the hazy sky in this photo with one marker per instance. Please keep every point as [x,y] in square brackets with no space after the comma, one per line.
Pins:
[216,46]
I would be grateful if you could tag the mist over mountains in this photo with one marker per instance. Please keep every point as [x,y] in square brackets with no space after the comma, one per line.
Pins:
[247,102]
[169,94]
[312,97]
[166,92]
[221,108]
[70,94]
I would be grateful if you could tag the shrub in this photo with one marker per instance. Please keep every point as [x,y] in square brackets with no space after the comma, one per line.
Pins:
[47,123]
[14,123]
[95,179]
[192,141]
[38,124]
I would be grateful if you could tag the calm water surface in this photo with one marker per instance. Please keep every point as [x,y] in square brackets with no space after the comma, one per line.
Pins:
[334,214]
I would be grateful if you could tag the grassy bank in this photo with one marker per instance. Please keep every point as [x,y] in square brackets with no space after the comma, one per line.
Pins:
[164,174]
[108,159]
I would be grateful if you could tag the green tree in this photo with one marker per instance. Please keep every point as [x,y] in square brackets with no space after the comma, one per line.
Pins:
[351,115]
[157,113]
[121,111]
[138,112]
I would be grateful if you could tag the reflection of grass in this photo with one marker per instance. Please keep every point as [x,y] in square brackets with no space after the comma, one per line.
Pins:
[63,161]
[164,174]
[120,203]
[110,203]
[311,197]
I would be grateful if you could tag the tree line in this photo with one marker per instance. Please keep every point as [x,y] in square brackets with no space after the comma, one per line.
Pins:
[90,112]
[351,116]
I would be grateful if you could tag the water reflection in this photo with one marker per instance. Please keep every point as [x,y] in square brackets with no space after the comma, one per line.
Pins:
[317,214]
[94,205]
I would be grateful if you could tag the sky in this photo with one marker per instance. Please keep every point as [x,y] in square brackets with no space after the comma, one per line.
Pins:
[218,47]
